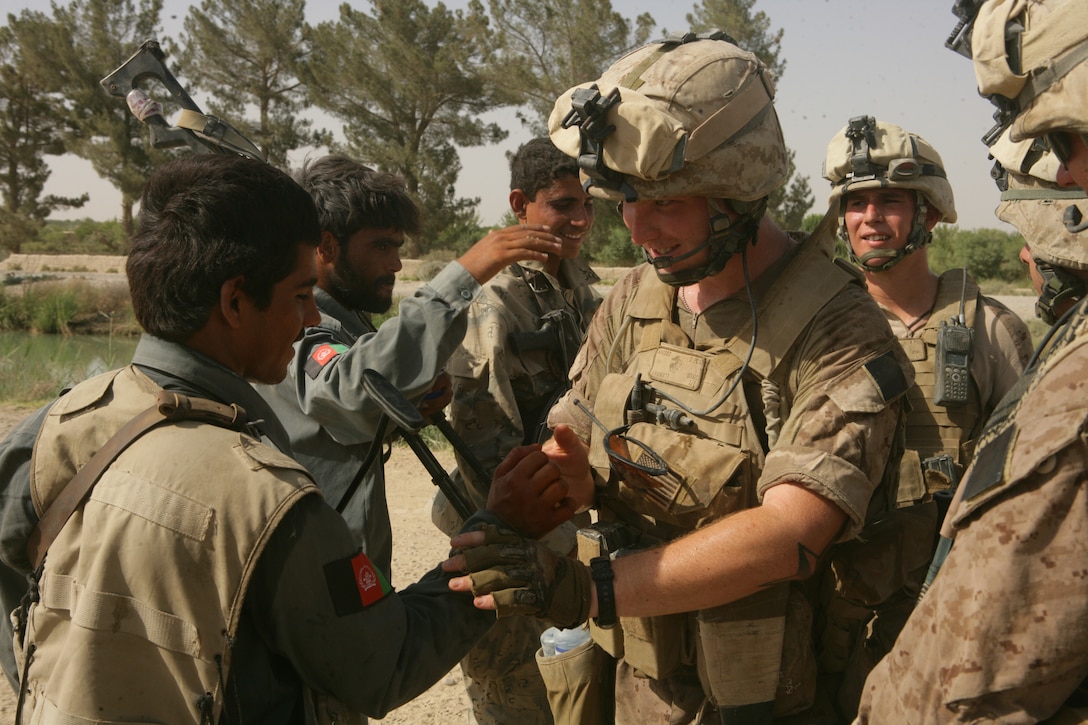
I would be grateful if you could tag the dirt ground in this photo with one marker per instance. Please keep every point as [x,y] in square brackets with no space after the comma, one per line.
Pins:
[417,547]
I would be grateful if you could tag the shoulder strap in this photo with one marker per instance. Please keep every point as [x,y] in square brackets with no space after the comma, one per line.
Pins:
[169,407]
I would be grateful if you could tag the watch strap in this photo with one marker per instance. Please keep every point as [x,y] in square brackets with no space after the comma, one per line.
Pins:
[600,569]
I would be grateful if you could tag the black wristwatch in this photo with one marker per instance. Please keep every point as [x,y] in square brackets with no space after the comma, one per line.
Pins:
[600,568]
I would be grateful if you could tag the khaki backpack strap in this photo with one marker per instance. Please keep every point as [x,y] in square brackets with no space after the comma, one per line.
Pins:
[168,408]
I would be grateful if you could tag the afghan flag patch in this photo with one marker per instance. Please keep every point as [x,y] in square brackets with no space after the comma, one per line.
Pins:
[354,584]
[321,356]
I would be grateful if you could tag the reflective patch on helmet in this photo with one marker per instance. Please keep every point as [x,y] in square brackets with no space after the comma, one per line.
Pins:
[354,584]
[321,356]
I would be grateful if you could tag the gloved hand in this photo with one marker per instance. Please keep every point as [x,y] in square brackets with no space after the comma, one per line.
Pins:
[525,577]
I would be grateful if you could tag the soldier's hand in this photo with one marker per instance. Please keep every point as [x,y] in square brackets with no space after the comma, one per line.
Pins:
[528,493]
[570,455]
[514,575]
[502,247]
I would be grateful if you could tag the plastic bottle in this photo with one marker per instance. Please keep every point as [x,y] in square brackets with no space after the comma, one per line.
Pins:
[556,641]
[547,641]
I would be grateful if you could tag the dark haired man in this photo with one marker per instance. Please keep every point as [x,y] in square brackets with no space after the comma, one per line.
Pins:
[364,217]
[203,579]
[523,333]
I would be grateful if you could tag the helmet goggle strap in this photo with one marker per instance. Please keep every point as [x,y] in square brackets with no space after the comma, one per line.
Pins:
[727,237]
[1059,287]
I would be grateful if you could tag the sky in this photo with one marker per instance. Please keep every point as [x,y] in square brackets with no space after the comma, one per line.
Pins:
[844,58]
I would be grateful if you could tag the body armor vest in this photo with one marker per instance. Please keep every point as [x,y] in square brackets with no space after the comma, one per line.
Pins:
[934,429]
[144,631]
[665,397]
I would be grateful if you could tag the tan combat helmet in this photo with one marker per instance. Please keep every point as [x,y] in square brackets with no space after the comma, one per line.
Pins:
[686,116]
[1030,61]
[871,154]
[1032,202]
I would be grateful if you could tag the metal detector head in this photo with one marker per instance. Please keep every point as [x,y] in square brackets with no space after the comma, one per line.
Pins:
[201,132]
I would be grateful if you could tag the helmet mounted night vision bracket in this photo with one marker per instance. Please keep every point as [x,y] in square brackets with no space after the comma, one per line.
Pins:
[588,112]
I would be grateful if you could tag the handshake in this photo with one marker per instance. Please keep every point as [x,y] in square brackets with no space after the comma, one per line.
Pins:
[534,490]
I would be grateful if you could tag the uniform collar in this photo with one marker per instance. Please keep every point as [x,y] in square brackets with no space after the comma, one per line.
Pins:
[354,322]
[183,369]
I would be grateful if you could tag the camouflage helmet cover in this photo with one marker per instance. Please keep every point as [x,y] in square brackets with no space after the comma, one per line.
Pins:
[694,117]
[1035,204]
[1048,82]
[883,167]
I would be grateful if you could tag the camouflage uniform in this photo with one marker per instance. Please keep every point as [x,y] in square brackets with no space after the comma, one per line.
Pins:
[1002,634]
[829,428]
[499,401]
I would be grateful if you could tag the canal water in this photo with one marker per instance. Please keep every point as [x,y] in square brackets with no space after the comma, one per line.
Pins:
[37,367]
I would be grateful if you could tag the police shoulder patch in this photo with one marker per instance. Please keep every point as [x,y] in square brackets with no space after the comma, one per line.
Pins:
[321,356]
[354,584]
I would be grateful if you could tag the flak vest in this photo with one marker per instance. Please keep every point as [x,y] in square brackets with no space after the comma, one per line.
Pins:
[935,429]
[141,592]
[758,649]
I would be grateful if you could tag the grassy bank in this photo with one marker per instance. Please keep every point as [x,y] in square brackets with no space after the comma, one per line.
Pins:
[66,306]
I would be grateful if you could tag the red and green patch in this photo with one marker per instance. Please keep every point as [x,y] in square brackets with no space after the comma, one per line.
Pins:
[321,356]
[355,584]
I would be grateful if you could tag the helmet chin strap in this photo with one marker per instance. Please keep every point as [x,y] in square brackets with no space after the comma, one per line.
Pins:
[668,261]
[919,237]
[727,237]
[1059,287]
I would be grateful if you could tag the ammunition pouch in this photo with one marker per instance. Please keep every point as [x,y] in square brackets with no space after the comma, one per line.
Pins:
[710,472]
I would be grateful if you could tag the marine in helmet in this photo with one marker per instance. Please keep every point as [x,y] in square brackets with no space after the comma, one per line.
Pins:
[890,190]
[1032,201]
[1001,634]
[731,415]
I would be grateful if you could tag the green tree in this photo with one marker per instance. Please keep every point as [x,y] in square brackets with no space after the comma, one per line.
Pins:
[546,47]
[28,132]
[789,204]
[409,81]
[246,52]
[989,254]
[752,31]
[81,43]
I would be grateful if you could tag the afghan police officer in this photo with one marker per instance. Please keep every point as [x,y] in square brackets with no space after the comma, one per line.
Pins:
[185,569]
[732,411]
[1002,633]
[330,417]
[523,333]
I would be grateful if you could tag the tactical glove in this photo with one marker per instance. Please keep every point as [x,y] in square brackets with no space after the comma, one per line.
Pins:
[525,577]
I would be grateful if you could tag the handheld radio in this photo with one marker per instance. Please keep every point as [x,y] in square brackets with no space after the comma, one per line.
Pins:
[955,342]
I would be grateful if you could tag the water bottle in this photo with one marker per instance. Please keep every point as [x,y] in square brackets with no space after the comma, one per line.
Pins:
[557,641]
[547,641]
